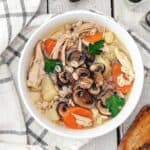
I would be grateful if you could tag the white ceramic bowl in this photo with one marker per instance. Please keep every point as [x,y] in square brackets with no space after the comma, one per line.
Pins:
[123,36]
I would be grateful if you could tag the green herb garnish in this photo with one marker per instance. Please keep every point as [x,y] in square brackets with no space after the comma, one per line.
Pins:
[114,103]
[96,48]
[51,65]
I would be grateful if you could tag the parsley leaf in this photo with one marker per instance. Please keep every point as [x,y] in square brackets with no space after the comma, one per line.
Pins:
[114,103]
[51,65]
[96,48]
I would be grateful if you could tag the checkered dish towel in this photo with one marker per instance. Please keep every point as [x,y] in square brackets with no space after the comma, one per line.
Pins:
[18,130]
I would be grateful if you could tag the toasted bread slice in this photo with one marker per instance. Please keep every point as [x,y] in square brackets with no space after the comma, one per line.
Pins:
[138,135]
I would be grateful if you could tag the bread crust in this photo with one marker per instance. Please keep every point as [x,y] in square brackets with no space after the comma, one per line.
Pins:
[137,136]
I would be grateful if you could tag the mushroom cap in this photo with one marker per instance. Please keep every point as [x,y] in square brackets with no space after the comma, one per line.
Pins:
[94,89]
[75,58]
[89,58]
[82,98]
[82,72]
[98,78]
[97,67]
[62,108]
[64,77]
[106,95]
[85,82]
[102,109]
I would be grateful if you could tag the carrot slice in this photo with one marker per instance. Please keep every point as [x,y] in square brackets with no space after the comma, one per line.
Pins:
[49,45]
[93,38]
[70,120]
[116,71]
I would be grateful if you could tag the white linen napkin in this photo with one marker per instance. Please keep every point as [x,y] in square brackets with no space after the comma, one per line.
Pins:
[18,129]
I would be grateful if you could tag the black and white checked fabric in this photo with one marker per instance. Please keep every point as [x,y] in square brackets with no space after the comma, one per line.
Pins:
[18,130]
[17,127]
[14,15]
[29,131]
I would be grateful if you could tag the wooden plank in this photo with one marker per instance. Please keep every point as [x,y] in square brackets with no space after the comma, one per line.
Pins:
[131,18]
[58,6]
[106,142]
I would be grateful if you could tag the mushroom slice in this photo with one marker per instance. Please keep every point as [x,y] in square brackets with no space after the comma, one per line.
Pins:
[94,90]
[64,77]
[75,59]
[107,94]
[62,108]
[88,57]
[102,109]
[83,98]
[85,82]
[82,72]
[98,77]
[97,67]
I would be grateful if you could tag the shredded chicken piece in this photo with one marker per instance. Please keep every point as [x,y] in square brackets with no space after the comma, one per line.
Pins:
[56,49]
[36,71]
[84,28]
[84,121]
[126,64]
[63,54]
[100,28]
[80,45]
[122,81]
[93,31]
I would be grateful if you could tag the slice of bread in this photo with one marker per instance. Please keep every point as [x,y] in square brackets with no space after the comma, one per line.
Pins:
[138,135]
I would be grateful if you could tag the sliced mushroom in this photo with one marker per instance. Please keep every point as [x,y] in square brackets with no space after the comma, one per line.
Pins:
[64,77]
[75,58]
[85,82]
[65,91]
[94,90]
[62,108]
[97,67]
[82,72]
[89,58]
[83,98]
[107,94]
[98,78]
[102,109]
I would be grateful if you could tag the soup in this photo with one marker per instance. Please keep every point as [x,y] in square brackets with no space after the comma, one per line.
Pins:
[80,75]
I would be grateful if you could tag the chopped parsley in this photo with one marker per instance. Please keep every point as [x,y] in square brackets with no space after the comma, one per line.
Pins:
[52,66]
[96,48]
[114,103]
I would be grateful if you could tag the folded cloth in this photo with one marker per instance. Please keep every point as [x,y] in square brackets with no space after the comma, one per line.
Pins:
[18,130]
[14,15]
[13,128]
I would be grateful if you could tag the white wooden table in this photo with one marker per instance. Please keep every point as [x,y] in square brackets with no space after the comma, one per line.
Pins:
[120,11]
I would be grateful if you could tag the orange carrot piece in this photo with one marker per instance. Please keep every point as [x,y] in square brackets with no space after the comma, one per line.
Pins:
[70,120]
[93,38]
[49,45]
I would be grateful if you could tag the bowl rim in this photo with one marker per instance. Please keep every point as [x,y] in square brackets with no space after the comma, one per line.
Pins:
[87,133]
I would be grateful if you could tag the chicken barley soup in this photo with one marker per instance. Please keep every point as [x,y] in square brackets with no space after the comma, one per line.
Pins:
[80,75]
